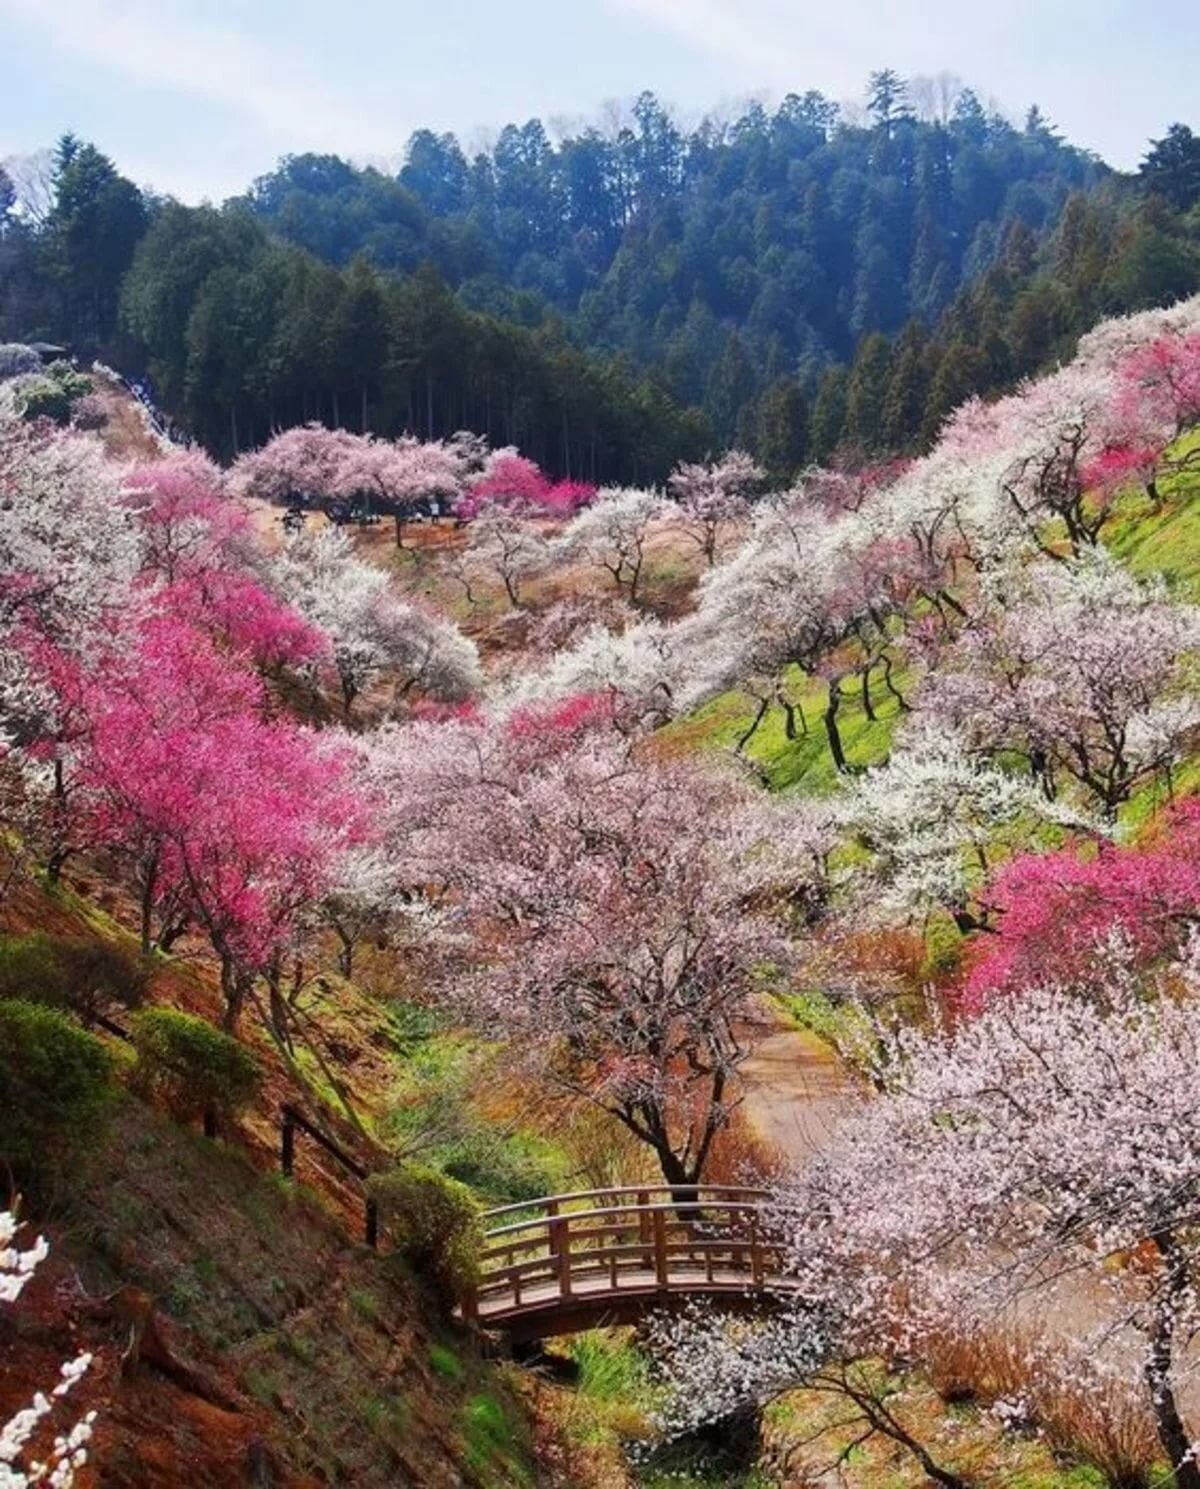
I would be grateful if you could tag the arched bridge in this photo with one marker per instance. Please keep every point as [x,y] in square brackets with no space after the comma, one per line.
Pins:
[606,1256]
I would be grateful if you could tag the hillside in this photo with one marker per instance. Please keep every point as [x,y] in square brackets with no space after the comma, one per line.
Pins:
[840,835]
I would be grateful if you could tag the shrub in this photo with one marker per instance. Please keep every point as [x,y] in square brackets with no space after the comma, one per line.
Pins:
[434,1220]
[194,1069]
[52,394]
[83,977]
[56,1086]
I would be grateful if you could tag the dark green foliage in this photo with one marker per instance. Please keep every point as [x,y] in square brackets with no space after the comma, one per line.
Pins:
[83,977]
[194,1069]
[1172,167]
[782,434]
[615,304]
[434,1220]
[56,1089]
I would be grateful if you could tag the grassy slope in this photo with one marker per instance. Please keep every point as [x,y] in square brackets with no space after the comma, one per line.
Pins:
[334,1353]
[334,1360]
[804,762]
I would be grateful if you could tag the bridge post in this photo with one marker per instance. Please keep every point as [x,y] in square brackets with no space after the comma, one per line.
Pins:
[643,1219]
[560,1247]
[756,1256]
[551,1216]
[661,1273]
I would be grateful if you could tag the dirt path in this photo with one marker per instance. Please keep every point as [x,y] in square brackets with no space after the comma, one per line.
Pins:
[796,1092]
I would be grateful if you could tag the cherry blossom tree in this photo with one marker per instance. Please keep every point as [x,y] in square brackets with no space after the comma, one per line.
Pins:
[186,520]
[503,543]
[308,461]
[714,499]
[612,916]
[68,547]
[933,818]
[789,597]
[611,534]
[1050,1144]
[1083,669]
[1159,382]
[372,632]
[401,475]
[1052,913]
[636,667]
[264,811]
[508,479]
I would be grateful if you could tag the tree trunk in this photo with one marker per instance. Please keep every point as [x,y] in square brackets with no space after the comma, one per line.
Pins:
[235,984]
[149,879]
[903,705]
[868,707]
[832,733]
[763,705]
[1174,1436]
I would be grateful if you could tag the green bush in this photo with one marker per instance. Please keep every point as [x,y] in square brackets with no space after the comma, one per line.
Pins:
[57,1084]
[51,394]
[434,1221]
[194,1069]
[83,977]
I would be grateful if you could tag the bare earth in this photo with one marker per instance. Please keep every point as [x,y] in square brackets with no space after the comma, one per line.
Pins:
[796,1092]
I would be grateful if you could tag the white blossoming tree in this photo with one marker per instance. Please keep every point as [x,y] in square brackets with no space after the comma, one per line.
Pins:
[22,1464]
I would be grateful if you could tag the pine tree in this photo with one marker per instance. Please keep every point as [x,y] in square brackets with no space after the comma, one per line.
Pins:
[907,389]
[866,391]
[829,414]
[781,443]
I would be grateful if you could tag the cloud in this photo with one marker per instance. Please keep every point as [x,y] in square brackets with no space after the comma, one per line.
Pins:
[158,46]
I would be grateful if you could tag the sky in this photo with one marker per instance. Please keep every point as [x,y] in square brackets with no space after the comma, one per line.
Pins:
[197,97]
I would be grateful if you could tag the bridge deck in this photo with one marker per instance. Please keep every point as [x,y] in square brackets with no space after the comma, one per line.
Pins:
[570,1261]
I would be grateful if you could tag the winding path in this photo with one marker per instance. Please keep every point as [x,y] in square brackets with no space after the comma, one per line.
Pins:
[796,1092]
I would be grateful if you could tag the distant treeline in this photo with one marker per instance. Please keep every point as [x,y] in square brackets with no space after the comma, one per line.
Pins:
[791,281]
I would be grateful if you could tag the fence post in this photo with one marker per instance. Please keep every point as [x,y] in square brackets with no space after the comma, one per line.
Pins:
[560,1246]
[287,1147]
[372,1226]
[756,1257]
[660,1250]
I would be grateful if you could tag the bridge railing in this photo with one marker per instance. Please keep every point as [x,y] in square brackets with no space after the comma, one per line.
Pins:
[612,1241]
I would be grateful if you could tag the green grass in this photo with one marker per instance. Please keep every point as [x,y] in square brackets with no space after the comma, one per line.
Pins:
[1163,539]
[805,762]
[491,1444]
[444,1362]
[610,1368]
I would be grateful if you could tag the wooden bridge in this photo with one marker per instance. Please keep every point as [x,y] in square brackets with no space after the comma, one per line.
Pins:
[606,1256]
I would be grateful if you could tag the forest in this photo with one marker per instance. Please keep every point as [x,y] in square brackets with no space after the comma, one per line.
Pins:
[808,286]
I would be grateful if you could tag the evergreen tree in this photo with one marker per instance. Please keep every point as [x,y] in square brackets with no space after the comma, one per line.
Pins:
[1172,167]
[907,389]
[866,392]
[781,441]
[960,373]
[829,414]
